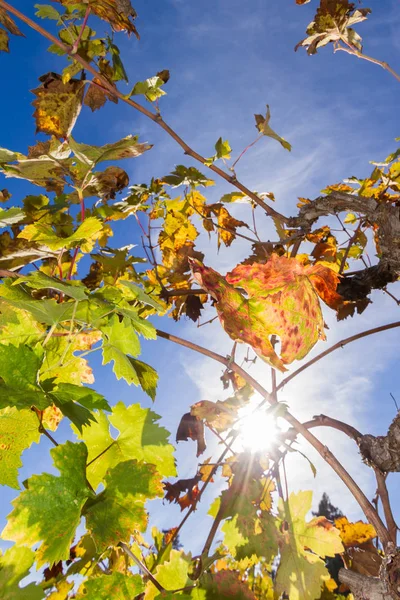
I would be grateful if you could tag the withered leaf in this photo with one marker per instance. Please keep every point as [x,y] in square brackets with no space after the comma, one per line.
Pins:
[9,23]
[192,307]
[282,300]
[192,428]
[57,104]
[120,14]
[96,96]
[187,487]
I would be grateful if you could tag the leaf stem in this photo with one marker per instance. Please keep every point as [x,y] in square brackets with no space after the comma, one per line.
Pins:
[155,117]
[142,567]
[351,50]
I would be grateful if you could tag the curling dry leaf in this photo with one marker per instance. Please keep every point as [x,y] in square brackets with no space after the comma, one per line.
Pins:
[282,300]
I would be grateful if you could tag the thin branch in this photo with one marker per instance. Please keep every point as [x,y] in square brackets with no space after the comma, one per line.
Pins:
[375,61]
[324,421]
[142,567]
[323,450]
[340,344]
[382,492]
[348,248]
[155,117]
[75,46]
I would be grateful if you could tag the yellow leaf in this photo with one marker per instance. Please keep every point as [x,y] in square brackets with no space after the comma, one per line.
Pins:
[354,534]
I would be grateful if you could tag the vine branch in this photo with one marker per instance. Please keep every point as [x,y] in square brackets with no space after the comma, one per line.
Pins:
[155,117]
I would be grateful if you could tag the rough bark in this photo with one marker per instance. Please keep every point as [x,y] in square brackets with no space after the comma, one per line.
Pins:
[387,219]
[364,588]
[383,451]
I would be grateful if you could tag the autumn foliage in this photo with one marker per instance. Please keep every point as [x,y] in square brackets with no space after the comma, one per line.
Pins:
[66,292]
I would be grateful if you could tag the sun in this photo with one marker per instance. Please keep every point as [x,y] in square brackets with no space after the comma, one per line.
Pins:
[257,430]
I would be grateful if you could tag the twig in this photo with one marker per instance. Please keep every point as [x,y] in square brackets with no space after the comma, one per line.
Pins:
[155,117]
[351,50]
[324,421]
[142,567]
[340,344]
[349,245]
[382,492]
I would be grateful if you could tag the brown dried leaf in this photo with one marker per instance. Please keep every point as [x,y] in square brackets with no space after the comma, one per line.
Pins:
[192,428]
[57,104]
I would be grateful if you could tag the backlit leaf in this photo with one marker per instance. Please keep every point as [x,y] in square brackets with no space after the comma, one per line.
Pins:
[18,430]
[128,147]
[354,534]
[282,301]
[140,438]
[19,370]
[119,510]
[49,511]
[15,564]
[116,586]
[85,235]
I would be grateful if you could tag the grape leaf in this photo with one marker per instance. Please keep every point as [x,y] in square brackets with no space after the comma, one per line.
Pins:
[282,301]
[139,438]
[119,341]
[76,402]
[301,571]
[119,510]
[116,586]
[19,366]
[11,216]
[49,510]
[17,327]
[18,430]
[39,280]
[128,147]
[72,369]
[85,236]
[150,88]
[148,377]
[57,104]
[172,575]
[14,566]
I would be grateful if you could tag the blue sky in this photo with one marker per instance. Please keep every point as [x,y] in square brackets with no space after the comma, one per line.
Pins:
[227,60]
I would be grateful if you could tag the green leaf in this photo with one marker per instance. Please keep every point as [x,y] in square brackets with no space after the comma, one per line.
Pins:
[49,511]
[128,147]
[119,341]
[119,510]
[44,311]
[301,571]
[262,124]
[233,197]
[148,377]
[18,430]
[140,438]
[138,293]
[172,575]
[18,327]
[187,176]
[14,566]
[151,88]
[19,367]
[39,280]
[116,586]
[45,11]
[9,155]
[222,150]
[76,402]
[85,236]
[11,216]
